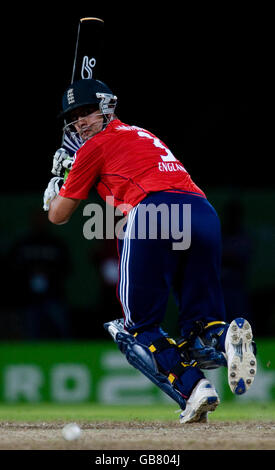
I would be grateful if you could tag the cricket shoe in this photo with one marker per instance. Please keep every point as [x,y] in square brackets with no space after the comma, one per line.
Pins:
[240,353]
[203,399]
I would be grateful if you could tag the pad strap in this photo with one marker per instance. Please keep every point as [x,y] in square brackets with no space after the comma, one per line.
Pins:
[213,323]
[179,369]
[216,323]
[160,344]
[198,330]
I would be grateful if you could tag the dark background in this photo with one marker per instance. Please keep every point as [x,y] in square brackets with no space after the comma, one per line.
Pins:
[200,79]
[197,78]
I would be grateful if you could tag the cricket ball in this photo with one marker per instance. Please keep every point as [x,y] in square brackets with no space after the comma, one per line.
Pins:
[71,431]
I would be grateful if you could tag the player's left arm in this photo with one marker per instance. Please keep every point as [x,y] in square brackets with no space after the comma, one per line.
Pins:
[61,209]
[61,200]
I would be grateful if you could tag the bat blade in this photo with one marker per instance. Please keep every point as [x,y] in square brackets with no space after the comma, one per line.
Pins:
[88,52]
[88,63]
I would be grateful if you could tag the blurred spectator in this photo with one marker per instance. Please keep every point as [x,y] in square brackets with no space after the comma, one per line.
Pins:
[39,265]
[237,252]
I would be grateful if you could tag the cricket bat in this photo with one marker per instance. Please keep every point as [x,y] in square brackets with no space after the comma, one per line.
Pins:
[87,63]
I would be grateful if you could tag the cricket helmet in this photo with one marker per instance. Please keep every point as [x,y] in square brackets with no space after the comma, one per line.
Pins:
[88,92]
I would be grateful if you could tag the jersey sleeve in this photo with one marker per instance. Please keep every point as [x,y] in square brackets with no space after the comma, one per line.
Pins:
[85,171]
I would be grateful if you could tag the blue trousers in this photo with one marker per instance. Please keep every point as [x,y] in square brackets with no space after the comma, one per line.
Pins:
[150,268]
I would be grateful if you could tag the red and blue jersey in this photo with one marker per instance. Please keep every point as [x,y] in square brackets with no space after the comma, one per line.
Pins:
[126,163]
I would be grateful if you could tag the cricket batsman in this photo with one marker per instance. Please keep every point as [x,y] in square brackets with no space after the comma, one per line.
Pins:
[139,172]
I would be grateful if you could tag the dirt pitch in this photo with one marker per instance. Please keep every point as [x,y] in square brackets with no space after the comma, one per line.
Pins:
[243,435]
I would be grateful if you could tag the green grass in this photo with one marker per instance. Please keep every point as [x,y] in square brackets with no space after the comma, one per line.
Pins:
[47,412]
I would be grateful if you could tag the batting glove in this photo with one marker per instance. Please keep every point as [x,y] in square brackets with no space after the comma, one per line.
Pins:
[61,161]
[52,191]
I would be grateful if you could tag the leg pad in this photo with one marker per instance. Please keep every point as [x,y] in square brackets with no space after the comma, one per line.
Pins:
[140,357]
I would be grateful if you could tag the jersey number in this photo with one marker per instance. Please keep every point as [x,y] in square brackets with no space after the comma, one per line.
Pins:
[169,157]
